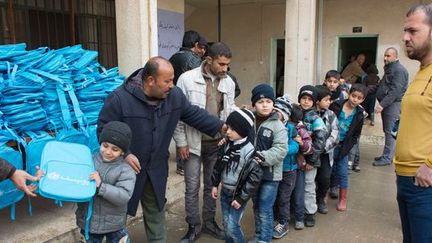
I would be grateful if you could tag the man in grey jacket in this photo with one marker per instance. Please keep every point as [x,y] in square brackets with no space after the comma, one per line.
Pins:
[208,87]
[389,93]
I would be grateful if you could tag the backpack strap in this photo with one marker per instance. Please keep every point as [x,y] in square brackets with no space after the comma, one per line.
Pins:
[88,218]
[67,119]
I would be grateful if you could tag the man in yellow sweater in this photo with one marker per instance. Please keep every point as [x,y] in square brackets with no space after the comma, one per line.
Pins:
[413,158]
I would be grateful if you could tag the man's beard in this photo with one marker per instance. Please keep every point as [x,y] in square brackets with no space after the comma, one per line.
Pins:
[420,53]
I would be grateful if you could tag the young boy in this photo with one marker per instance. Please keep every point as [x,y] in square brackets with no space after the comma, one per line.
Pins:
[289,171]
[305,144]
[115,182]
[332,139]
[350,115]
[271,145]
[333,82]
[239,173]
[317,130]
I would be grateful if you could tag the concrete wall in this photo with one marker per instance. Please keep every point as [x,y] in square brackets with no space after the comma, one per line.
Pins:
[248,30]
[384,18]
[172,5]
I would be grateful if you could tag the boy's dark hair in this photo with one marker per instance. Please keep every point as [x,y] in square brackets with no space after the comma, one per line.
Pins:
[359,88]
[296,114]
[333,74]
[322,91]
[219,49]
[190,38]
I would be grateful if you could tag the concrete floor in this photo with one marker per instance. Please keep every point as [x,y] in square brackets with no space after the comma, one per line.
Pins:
[372,214]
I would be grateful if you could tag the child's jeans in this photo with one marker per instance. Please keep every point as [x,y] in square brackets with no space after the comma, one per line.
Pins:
[263,202]
[231,218]
[354,154]
[285,189]
[298,196]
[340,170]
[310,191]
[111,237]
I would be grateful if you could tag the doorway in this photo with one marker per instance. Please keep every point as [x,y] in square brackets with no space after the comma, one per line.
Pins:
[352,46]
[278,65]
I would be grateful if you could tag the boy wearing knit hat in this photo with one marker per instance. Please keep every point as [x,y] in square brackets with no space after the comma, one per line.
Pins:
[115,181]
[307,98]
[271,145]
[332,139]
[238,172]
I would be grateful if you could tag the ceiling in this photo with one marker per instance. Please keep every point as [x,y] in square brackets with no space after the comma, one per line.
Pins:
[214,3]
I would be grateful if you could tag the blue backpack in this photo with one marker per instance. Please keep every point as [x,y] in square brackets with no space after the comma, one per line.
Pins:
[67,167]
[9,194]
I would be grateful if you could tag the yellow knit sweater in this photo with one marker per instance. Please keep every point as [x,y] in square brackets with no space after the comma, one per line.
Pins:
[414,139]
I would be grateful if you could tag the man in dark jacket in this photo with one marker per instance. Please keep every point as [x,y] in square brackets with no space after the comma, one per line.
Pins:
[18,177]
[389,93]
[152,106]
[190,54]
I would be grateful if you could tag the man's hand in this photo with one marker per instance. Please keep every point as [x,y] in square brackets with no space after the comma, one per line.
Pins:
[133,161]
[378,108]
[235,204]
[19,178]
[424,176]
[214,192]
[224,129]
[183,152]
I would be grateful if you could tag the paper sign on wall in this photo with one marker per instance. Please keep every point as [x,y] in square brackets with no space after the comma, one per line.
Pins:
[170,32]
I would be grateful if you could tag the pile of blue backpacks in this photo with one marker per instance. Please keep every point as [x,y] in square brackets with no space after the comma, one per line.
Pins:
[47,95]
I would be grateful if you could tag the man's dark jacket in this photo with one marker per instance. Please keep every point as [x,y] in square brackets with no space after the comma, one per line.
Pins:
[152,129]
[6,170]
[354,130]
[393,84]
[184,60]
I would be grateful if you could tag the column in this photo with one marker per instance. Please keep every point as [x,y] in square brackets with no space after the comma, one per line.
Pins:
[136,24]
[300,39]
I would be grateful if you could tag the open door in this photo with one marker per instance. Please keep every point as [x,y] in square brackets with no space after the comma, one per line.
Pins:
[353,45]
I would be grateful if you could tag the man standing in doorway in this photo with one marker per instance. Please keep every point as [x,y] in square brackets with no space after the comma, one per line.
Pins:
[389,94]
[209,87]
[353,72]
[413,157]
[151,106]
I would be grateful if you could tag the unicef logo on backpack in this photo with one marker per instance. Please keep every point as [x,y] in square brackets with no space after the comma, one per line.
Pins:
[55,176]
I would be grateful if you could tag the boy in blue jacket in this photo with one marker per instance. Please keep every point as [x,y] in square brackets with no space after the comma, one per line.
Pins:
[350,115]
[281,207]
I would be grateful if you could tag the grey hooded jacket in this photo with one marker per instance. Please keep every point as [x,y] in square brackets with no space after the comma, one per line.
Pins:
[111,200]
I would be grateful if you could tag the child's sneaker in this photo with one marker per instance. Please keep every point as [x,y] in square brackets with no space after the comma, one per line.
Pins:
[309,220]
[356,168]
[299,225]
[322,208]
[334,192]
[280,230]
[350,164]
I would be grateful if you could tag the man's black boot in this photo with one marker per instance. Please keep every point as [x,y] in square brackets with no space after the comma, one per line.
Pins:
[210,227]
[192,234]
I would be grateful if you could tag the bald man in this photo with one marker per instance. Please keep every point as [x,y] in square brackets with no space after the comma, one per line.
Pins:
[389,93]
[151,105]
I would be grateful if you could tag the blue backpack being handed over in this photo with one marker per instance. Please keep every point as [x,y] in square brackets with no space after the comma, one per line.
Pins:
[67,167]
